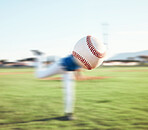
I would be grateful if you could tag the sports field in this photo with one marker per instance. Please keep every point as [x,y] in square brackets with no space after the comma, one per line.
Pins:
[119,102]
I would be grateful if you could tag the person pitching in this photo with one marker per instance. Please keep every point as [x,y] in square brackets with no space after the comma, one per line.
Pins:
[88,53]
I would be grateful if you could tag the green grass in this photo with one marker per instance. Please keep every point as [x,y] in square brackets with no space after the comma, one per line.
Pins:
[116,103]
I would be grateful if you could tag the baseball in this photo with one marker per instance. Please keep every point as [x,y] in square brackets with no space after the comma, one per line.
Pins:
[89,52]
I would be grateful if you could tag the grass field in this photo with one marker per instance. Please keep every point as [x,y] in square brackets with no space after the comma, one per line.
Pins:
[116,103]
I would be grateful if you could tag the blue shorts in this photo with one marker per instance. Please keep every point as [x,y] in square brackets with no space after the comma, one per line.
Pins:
[69,63]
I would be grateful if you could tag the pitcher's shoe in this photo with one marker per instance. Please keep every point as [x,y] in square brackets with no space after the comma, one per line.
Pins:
[69,116]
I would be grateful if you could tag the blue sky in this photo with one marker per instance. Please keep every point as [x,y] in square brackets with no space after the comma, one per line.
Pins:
[54,26]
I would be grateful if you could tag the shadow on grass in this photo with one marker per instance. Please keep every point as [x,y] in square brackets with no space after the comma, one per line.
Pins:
[61,118]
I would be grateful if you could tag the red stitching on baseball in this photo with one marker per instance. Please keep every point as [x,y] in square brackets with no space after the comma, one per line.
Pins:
[92,48]
[84,61]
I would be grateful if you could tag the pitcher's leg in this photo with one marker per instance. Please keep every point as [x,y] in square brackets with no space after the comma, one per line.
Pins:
[69,92]
[41,71]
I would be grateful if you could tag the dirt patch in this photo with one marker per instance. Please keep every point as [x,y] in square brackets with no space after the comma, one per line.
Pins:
[129,70]
[83,78]
[13,73]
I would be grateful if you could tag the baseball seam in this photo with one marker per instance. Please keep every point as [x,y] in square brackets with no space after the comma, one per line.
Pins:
[92,48]
[83,60]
